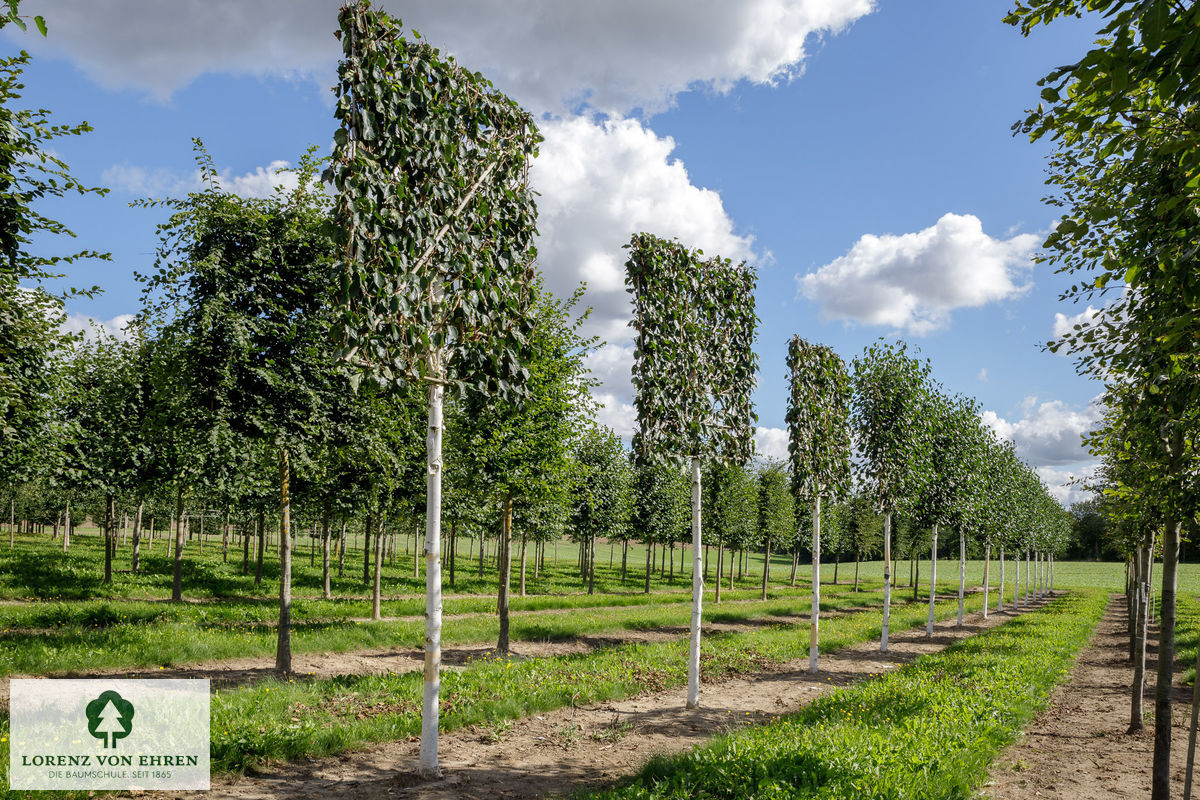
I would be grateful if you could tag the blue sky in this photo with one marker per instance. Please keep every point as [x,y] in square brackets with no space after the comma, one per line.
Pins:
[858,152]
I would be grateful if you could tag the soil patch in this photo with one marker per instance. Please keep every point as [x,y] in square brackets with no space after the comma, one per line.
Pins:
[561,752]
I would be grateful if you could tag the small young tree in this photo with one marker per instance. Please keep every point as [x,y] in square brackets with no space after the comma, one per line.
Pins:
[600,500]
[694,367]
[818,446]
[894,438]
[776,514]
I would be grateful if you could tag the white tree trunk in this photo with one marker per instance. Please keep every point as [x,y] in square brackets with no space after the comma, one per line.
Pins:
[1017,581]
[693,694]
[887,580]
[932,580]
[987,567]
[428,761]
[283,647]
[814,637]
[962,574]
[1000,586]
[1028,562]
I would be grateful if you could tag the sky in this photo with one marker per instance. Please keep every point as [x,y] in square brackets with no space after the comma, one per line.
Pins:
[859,153]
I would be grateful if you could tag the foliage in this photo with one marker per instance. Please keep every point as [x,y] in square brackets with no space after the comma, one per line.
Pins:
[433,217]
[892,425]
[601,500]
[694,362]
[818,420]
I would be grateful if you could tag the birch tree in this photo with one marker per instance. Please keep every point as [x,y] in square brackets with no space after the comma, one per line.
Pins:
[694,367]
[818,419]
[435,220]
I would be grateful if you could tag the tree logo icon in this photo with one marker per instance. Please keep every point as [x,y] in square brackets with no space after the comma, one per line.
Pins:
[110,717]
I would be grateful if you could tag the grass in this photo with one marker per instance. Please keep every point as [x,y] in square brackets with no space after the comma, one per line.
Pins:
[108,637]
[286,720]
[928,730]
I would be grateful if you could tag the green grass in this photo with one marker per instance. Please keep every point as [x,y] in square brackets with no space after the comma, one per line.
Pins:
[285,720]
[109,636]
[928,730]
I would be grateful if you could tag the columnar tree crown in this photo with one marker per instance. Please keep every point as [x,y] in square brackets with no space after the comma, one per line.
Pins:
[434,215]
[818,419]
[694,361]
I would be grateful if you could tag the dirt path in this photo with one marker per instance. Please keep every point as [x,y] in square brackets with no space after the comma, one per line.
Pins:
[571,749]
[1079,747]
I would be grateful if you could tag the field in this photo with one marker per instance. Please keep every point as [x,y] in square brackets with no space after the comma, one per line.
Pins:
[357,681]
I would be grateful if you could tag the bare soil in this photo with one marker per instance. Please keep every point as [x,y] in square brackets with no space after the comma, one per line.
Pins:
[587,747]
[1080,747]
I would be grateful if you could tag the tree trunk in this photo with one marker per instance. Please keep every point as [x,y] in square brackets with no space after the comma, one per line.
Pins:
[591,563]
[987,568]
[962,574]
[454,549]
[795,563]
[857,561]
[624,558]
[837,556]
[135,556]
[505,576]
[1161,779]
[693,696]
[932,580]
[814,638]
[261,530]
[283,651]
[1028,563]
[481,549]
[245,551]
[1016,581]
[1136,710]
[522,589]
[649,560]
[326,533]
[887,580]
[379,536]
[1191,754]
[368,526]
[225,538]
[720,567]
[1000,585]
[342,549]
[428,758]
[109,542]
[67,528]
[177,577]
[766,575]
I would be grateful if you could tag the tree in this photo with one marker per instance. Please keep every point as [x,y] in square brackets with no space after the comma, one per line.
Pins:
[694,367]
[1126,125]
[435,221]
[30,313]
[600,503]
[818,446]
[776,514]
[660,507]
[894,436]
[249,280]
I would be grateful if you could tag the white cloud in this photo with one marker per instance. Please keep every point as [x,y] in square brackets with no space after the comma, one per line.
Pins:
[259,182]
[615,414]
[983,375]
[1049,434]
[1064,324]
[913,281]
[600,182]
[92,328]
[1066,484]
[771,443]
[614,56]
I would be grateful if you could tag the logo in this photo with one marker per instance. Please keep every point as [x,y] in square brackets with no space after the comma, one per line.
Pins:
[110,717]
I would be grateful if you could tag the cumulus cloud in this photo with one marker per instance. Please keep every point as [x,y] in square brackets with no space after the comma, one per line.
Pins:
[160,182]
[913,281]
[1066,485]
[93,328]
[771,443]
[1049,434]
[613,56]
[616,414]
[601,182]
[1064,324]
